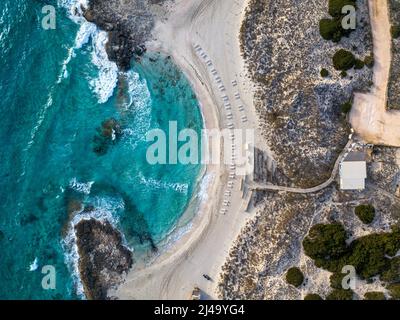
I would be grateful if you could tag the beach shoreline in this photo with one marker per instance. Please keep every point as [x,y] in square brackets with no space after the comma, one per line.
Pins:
[205,247]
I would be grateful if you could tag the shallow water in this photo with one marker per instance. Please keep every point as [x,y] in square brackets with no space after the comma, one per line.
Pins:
[57,89]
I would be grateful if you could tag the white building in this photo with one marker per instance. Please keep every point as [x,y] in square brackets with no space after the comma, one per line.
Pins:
[353,171]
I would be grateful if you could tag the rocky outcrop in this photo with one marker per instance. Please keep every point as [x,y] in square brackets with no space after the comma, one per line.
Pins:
[103,259]
[128,23]
[108,134]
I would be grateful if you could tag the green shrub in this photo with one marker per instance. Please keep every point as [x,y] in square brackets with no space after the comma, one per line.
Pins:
[343,74]
[395,31]
[335,6]
[324,73]
[331,29]
[336,280]
[374,295]
[346,107]
[365,212]
[325,244]
[294,277]
[394,290]
[369,61]
[359,64]
[340,294]
[369,254]
[392,275]
[343,60]
[313,296]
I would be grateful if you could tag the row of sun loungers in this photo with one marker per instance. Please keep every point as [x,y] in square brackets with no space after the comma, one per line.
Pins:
[230,125]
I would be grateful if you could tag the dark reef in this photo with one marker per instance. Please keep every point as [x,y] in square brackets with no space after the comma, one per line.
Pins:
[128,23]
[103,259]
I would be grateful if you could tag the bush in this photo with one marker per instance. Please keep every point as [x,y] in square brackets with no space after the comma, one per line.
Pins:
[340,294]
[392,275]
[374,295]
[359,64]
[343,60]
[346,107]
[331,29]
[335,6]
[395,31]
[313,296]
[325,244]
[294,277]
[394,290]
[324,73]
[369,254]
[365,212]
[343,74]
[369,61]
[336,280]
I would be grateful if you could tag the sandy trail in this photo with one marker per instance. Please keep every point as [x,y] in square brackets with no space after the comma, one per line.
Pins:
[369,117]
[213,25]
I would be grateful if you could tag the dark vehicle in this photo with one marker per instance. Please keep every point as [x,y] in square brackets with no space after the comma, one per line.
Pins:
[207,277]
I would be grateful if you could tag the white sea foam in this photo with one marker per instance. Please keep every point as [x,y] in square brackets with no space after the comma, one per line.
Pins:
[6,27]
[107,78]
[204,184]
[140,105]
[157,184]
[81,186]
[85,31]
[34,265]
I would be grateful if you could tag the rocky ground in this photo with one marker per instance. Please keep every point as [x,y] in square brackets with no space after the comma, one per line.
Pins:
[394,84]
[272,242]
[299,110]
[128,23]
[103,259]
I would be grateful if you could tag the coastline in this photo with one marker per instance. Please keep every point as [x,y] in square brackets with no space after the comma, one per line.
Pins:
[183,223]
[174,273]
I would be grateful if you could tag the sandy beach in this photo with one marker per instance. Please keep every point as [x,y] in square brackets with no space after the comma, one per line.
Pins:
[202,38]
[369,117]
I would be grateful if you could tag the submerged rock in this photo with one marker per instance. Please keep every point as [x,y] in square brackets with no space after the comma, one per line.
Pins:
[103,259]
[28,219]
[111,129]
[109,132]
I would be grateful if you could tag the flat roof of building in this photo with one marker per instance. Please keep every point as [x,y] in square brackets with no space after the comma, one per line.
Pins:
[355,156]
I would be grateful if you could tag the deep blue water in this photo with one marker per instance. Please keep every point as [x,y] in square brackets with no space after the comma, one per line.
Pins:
[57,88]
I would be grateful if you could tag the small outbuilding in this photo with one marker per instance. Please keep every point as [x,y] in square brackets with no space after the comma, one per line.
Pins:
[353,171]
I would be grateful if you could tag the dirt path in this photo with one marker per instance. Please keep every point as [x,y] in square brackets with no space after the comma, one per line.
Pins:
[369,117]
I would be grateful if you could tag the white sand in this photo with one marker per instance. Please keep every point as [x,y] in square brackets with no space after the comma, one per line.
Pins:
[214,25]
[369,117]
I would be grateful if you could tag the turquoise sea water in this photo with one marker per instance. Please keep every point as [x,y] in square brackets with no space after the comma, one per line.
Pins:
[57,88]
